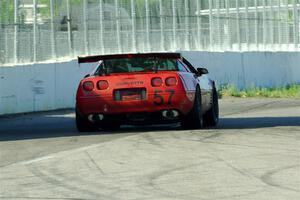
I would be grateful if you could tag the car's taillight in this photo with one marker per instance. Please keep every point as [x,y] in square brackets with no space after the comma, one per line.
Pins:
[156,82]
[102,85]
[171,81]
[88,85]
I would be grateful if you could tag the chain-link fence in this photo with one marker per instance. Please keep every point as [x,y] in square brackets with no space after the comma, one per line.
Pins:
[39,30]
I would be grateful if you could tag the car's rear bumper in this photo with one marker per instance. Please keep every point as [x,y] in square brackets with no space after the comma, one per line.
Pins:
[106,105]
[139,118]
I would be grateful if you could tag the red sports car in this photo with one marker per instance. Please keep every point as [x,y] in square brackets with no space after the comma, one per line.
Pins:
[153,88]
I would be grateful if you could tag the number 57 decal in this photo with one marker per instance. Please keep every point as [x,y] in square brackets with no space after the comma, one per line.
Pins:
[159,99]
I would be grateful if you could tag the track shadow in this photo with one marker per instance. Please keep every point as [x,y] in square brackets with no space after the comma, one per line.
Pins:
[35,126]
[258,122]
[58,124]
[61,124]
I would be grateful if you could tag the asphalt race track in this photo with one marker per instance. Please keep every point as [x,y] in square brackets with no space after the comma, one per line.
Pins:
[253,154]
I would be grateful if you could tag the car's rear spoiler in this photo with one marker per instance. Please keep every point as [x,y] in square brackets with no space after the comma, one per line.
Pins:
[91,59]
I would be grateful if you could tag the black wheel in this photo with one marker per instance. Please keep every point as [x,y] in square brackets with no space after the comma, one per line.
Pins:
[83,124]
[194,119]
[211,117]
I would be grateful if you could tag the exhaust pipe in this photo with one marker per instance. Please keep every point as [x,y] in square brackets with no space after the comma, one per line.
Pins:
[170,114]
[95,117]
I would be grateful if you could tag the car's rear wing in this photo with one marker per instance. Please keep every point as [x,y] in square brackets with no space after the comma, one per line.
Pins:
[91,59]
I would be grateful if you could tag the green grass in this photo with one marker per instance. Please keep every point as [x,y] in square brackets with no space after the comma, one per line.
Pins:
[284,92]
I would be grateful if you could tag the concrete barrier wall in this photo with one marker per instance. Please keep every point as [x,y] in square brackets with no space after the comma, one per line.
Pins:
[249,69]
[41,87]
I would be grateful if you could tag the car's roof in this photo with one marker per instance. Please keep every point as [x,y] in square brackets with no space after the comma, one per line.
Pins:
[96,58]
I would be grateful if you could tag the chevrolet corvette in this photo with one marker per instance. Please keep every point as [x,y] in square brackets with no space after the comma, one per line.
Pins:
[150,88]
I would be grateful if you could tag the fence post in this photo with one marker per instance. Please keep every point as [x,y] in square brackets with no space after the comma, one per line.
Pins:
[6,29]
[186,25]
[69,29]
[34,31]
[287,33]
[264,25]
[272,25]
[279,25]
[174,24]
[210,25]
[162,35]
[199,24]
[1,34]
[101,26]
[16,30]
[218,25]
[238,31]
[6,46]
[296,24]
[147,26]
[85,28]
[53,42]
[247,25]
[256,25]
[133,26]
[228,25]
[117,15]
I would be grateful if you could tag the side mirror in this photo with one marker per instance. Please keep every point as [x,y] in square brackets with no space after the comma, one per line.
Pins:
[202,71]
[88,75]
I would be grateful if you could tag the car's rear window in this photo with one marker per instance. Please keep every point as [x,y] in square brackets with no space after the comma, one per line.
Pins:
[137,65]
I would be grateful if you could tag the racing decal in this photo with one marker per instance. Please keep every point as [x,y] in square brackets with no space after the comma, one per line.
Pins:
[131,83]
[172,92]
[159,100]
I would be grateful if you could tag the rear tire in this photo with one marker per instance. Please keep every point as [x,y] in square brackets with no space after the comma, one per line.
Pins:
[83,124]
[194,120]
[211,117]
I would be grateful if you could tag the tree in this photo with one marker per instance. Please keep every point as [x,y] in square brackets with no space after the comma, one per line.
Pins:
[6,12]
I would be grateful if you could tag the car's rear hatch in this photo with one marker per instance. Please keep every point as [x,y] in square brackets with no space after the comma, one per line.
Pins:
[125,87]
